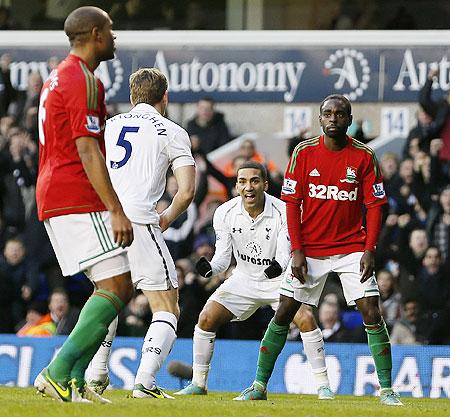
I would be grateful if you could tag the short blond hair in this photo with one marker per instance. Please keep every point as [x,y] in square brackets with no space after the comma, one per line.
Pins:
[147,85]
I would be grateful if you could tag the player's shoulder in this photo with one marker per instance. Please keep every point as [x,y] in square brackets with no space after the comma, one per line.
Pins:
[225,209]
[306,145]
[278,206]
[362,148]
[175,128]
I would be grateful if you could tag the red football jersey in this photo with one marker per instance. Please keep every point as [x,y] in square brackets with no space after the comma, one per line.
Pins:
[332,187]
[72,105]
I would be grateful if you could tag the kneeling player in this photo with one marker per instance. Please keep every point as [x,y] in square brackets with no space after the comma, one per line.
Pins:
[253,227]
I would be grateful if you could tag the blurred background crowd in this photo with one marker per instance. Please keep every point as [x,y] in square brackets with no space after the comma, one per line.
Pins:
[412,262]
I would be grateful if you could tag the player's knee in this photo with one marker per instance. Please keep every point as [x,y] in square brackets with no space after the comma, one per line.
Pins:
[206,321]
[304,319]
[372,315]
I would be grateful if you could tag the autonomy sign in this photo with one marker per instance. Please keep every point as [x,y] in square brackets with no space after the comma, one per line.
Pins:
[367,74]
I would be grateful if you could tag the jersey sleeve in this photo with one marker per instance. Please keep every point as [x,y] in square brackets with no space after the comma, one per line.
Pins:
[179,150]
[373,187]
[283,253]
[292,187]
[85,104]
[222,256]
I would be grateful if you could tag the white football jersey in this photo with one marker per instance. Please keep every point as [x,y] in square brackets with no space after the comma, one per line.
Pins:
[254,243]
[140,147]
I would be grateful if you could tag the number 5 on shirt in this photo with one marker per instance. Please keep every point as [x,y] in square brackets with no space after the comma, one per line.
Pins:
[124,144]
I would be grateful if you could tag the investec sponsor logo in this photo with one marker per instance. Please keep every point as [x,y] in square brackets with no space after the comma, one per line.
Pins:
[331,192]
[208,77]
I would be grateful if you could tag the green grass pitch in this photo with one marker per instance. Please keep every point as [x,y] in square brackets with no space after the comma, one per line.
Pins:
[23,402]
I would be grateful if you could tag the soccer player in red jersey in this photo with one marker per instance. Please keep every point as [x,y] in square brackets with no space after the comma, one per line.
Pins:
[76,201]
[328,182]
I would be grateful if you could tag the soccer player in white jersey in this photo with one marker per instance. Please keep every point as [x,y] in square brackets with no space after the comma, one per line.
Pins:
[140,148]
[253,227]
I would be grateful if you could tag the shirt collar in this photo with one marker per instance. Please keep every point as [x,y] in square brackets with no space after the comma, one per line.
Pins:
[144,108]
[267,212]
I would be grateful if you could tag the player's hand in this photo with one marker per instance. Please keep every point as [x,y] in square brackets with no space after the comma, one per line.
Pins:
[273,270]
[122,229]
[299,266]
[203,267]
[163,222]
[366,266]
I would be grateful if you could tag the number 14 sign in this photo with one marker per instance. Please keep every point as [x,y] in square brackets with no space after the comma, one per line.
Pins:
[394,122]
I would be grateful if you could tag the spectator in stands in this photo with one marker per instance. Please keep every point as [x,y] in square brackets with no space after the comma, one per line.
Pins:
[438,224]
[131,15]
[192,298]
[6,23]
[389,297]
[6,300]
[420,136]
[248,152]
[404,331]
[433,294]
[27,102]
[62,314]
[439,110]
[13,265]
[209,126]
[439,178]
[389,166]
[332,329]
[7,91]
[38,322]
[136,317]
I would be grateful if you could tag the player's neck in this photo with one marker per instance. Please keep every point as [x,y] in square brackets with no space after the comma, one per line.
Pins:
[335,144]
[86,56]
[255,210]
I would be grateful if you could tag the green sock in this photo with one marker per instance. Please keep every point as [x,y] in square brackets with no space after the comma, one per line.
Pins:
[380,347]
[271,346]
[84,340]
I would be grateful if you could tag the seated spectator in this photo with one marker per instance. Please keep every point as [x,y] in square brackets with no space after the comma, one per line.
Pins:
[248,152]
[389,297]
[13,265]
[63,315]
[420,136]
[332,329]
[208,126]
[38,322]
[135,318]
[404,331]
[433,294]
[389,166]
[6,302]
[192,298]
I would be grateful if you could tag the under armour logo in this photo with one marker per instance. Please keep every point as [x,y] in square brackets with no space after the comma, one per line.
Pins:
[268,230]
[237,230]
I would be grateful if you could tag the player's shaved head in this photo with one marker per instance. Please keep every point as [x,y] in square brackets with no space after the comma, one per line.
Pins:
[82,20]
[341,98]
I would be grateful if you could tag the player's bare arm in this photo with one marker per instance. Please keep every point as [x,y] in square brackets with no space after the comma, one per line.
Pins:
[95,168]
[185,177]
[299,265]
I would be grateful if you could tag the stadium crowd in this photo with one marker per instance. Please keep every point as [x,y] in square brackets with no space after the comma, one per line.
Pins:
[412,261]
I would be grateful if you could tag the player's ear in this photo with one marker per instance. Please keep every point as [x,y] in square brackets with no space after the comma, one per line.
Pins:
[266,185]
[350,120]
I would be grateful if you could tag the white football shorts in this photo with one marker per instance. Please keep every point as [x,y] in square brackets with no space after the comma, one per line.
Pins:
[152,266]
[84,242]
[346,266]
[242,307]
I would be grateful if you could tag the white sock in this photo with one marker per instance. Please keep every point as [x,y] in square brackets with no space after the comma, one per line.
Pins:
[158,342]
[203,349]
[98,367]
[315,353]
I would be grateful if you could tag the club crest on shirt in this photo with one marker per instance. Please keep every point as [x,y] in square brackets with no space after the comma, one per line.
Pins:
[378,190]
[350,176]
[288,186]
[93,123]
